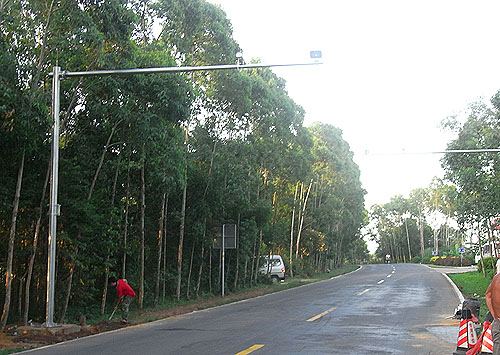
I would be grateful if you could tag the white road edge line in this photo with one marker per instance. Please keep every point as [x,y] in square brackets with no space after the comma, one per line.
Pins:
[363,292]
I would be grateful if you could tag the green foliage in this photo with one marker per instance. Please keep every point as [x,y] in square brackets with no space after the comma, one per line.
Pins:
[475,174]
[472,284]
[234,139]
[489,264]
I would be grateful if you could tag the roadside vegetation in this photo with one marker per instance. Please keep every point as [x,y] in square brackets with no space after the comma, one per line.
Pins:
[152,166]
[458,211]
[473,285]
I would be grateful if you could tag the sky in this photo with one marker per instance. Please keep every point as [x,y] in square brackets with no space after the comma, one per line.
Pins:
[393,70]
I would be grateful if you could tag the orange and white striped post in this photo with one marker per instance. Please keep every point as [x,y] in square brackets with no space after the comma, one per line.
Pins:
[467,336]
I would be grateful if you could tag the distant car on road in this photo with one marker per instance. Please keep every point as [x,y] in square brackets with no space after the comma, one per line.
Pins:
[274,267]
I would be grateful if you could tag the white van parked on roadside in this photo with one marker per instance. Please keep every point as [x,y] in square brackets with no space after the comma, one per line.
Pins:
[274,267]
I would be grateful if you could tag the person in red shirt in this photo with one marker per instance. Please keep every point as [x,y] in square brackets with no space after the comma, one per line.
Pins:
[125,296]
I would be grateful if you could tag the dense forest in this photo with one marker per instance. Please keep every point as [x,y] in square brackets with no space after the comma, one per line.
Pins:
[152,166]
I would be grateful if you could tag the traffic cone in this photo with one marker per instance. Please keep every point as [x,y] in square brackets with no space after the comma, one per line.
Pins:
[467,337]
[487,347]
[484,343]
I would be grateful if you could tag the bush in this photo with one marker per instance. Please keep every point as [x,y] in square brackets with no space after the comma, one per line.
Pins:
[451,261]
[426,260]
[416,259]
[471,258]
[487,264]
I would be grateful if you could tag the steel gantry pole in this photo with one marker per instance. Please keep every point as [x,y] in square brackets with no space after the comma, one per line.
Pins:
[54,207]
[57,75]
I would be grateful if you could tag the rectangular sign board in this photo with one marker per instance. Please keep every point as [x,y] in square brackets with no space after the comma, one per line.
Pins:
[229,234]
[461,250]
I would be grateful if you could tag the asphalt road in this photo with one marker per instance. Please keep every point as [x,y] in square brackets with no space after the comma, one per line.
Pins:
[379,309]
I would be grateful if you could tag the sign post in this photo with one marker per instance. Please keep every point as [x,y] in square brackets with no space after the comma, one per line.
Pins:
[223,263]
[461,251]
[226,241]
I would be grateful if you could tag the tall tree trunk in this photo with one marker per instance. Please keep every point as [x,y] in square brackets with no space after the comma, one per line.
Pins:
[421,231]
[481,250]
[101,161]
[160,246]
[299,216]
[219,270]
[253,268]
[236,269]
[340,255]
[10,252]
[245,273]
[227,266]
[210,269]
[140,298]
[258,255]
[436,239]
[181,237]
[68,288]
[408,238]
[299,233]
[35,244]
[106,267]
[200,271]
[164,273]
[487,226]
[188,288]
[20,295]
[125,227]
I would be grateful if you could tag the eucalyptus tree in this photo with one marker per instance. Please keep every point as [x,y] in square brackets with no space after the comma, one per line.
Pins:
[418,198]
[196,33]
[476,174]
[338,195]
[441,201]
[399,211]
[41,34]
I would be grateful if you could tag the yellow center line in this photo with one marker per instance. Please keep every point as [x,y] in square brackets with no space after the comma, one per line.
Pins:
[250,349]
[312,319]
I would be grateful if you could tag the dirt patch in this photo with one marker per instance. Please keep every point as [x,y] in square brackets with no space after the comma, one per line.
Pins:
[13,338]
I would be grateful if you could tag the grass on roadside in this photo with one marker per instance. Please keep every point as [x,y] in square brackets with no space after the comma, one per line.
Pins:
[11,351]
[473,285]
